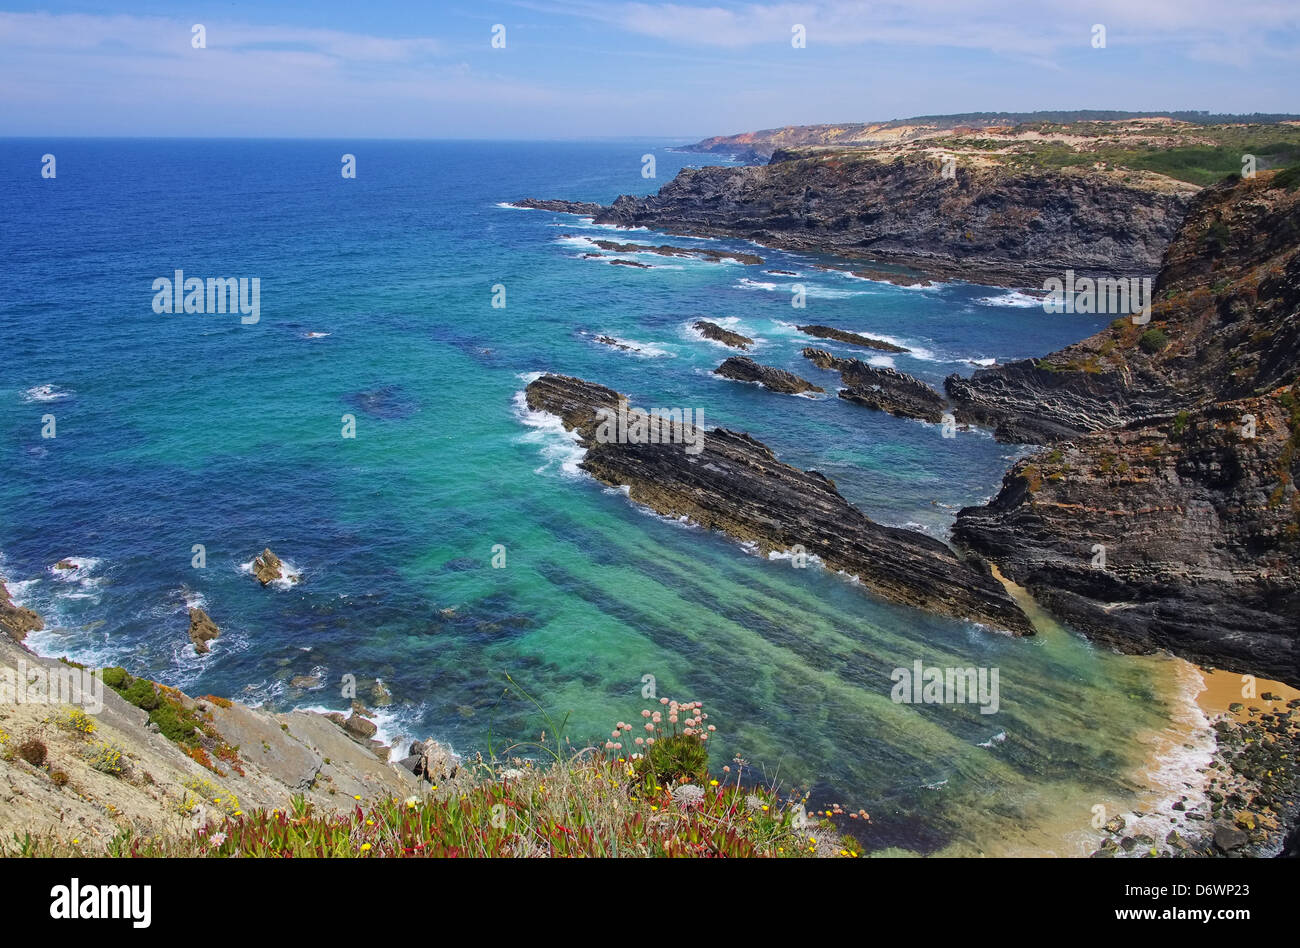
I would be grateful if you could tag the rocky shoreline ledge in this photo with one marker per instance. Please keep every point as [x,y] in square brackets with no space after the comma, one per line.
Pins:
[1164,511]
[736,485]
[157,762]
[999,225]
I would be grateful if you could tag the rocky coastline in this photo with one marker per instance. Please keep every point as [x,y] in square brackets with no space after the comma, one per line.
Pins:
[1163,512]
[883,389]
[738,486]
[999,225]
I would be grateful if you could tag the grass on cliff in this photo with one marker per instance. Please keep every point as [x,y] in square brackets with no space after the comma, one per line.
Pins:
[653,798]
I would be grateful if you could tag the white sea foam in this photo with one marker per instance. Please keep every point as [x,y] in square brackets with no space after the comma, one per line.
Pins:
[316,335]
[813,290]
[1012,298]
[997,738]
[646,350]
[558,446]
[44,393]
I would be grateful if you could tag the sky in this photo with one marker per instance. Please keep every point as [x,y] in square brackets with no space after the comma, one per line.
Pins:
[612,69]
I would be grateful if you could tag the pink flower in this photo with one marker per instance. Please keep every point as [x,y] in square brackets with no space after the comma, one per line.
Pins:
[663,700]
[645,714]
[650,728]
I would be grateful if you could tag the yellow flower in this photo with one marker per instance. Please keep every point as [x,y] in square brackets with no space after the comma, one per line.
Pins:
[713,783]
[653,807]
[370,822]
[764,807]
[355,797]
[365,847]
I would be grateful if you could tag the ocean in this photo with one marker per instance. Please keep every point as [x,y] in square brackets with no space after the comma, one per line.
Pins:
[181,430]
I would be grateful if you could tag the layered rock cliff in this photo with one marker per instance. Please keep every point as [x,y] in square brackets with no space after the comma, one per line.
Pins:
[988,222]
[1166,512]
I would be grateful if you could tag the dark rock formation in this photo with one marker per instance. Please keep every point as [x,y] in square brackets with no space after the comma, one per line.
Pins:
[738,486]
[611,341]
[15,621]
[1187,473]
[889,276]
[202,629]
[1223,326]
[584,208]
[619,262]
[988,224]
[667,250]
[745,369]
[851,338]
[725,336]
[883,389]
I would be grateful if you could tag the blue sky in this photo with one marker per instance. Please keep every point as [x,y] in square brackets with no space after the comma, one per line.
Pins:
[607,68]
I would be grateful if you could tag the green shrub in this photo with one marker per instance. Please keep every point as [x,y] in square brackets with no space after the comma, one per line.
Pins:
[678,758]
[1153,340]
[107,759]
[1180,423]
[174,723]
[1289,178]
[142,694]
[116,678]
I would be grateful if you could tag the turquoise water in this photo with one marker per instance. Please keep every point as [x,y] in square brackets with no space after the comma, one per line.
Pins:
[176,430]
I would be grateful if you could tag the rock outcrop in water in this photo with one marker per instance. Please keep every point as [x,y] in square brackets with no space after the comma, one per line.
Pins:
[745,369]
[584,208]
[202,630]
[1166,514]
[738,486]
[883,389]
[725,336]
[268,568]
[850,338]
[16,621]
[668,250]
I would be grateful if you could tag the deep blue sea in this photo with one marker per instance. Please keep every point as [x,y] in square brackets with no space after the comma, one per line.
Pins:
[173,430]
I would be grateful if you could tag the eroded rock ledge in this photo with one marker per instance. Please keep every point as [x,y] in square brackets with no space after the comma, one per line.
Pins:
[745,369]
[738,486]
[725,336]
[883,389]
